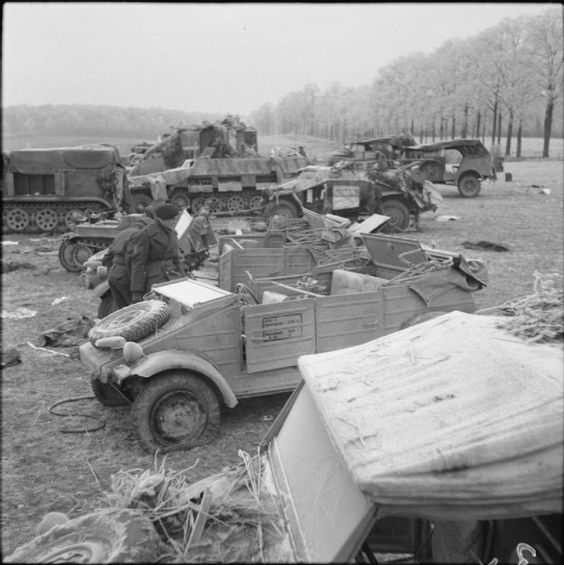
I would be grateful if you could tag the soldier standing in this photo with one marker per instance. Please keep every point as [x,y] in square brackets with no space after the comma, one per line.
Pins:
[155,257]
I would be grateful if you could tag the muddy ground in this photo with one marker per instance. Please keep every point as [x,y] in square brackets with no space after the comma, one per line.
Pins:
[50,462]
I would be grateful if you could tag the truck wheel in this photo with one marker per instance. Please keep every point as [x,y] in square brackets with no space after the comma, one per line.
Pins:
[176,411]
[181,199]
[469,185]
[398,213]
[66,257]
[106,536]
[133,322]
[107,395]
[283,208]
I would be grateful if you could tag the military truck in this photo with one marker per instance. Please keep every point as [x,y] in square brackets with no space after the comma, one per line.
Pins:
[216,164]
[46,190]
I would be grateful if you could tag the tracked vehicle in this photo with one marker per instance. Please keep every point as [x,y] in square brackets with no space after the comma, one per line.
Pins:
[46,190]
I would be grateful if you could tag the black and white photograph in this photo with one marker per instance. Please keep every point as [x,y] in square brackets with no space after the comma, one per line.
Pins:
[282,282]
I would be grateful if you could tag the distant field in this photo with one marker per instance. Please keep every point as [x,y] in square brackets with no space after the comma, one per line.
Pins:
[316,147]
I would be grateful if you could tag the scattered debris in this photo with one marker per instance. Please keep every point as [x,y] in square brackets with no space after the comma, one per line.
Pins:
[50,351]
[10,357]
[9,266]
[8,242]
[538,317]
[59,300]
[18,314]
[447,218]
[69,333]
[488,245]
[545,191]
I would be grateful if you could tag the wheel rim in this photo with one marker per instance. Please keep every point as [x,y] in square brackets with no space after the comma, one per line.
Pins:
[469,186]
[197,204]
[178,416]
[80,253]
[66,257]
[255,202]
[181,200]
[397,217]
[235,203]
[46,220]
[71,218]
[17,219]
[214,204]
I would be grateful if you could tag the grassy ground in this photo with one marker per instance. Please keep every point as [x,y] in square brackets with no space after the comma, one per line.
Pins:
[45,469]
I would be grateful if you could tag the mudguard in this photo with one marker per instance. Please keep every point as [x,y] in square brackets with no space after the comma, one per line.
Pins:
[175,359]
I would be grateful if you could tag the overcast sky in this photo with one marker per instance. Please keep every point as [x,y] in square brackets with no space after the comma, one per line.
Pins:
[221,58]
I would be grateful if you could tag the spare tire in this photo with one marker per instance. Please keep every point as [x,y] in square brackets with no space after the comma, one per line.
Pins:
[133,322]
[105,536]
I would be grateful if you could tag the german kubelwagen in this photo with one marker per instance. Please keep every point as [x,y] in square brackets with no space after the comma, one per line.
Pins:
[190,348]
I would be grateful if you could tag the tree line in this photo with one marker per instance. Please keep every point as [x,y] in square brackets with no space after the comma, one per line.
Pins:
[506,81]
[96,120]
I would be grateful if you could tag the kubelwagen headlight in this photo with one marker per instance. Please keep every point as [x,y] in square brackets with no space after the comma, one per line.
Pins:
[132,352]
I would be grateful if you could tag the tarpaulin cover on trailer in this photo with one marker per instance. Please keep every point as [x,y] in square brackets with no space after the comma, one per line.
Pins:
[50,161]
[453,418]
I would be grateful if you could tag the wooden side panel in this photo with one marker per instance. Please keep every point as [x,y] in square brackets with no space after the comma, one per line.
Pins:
[277,334]
[349,319]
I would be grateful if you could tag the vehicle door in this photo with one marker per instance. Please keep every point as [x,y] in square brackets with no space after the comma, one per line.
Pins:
[277,334]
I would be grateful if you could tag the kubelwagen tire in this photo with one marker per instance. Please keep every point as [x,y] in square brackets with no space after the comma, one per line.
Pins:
[176,411]
[140,201]
[283,208]
[105,536]
[66,257]
[469,185]
[133,322]
[398,212]
[107,395]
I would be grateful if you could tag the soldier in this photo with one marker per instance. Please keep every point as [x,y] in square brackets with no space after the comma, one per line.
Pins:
[155,257]
[117,258]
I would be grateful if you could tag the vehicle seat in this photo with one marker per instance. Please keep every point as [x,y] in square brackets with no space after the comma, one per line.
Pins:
[348,282]
[271,297]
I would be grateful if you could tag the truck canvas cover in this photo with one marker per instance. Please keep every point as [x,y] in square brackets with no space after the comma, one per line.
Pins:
[453,418]
[473,146]
[50,161]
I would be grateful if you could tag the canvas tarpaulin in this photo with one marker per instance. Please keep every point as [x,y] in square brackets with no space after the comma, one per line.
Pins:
[453,418]
[51,161]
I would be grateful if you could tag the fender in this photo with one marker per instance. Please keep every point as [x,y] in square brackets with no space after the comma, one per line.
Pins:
[175,359]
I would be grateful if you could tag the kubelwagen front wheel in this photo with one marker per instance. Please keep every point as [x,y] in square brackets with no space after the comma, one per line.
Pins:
[469,186]
[176,411]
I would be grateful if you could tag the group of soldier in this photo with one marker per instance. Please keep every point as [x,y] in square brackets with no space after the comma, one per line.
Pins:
[146,253]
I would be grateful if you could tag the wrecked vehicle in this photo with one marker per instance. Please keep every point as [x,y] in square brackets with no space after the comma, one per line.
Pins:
[351,193]
[385,452]
[462,162]
[46,190]
[89,238]
[190,348]
[379,152]
[218,165]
